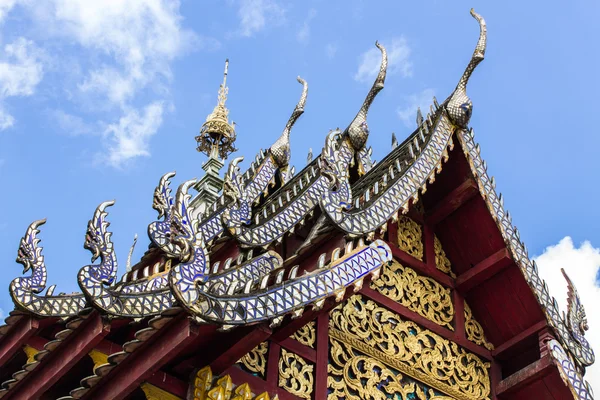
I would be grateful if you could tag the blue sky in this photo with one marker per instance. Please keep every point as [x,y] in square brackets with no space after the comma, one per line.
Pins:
[99,100]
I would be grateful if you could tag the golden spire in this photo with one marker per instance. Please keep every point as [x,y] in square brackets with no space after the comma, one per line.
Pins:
[217,135]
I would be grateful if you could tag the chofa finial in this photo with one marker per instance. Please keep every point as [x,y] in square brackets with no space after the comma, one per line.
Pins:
[281,148]
[358,130]
[576,317]
[460,106]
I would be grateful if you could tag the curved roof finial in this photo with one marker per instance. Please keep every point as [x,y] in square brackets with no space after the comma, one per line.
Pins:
[460,106]
[358,131]
[281,148]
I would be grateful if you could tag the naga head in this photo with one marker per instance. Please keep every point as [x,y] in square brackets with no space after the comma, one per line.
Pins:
[576,317]
[281,148]
[30,254]
[233,188]
[460,106]
[97,236]
[183,226]
[358,130]
[162,200]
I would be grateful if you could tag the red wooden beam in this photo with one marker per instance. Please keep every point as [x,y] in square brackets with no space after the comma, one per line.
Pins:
[246,343]
[422,268]
[61,360]
[147,359]
[300,349]
[532,372]
[16,337]
[272,376]
[258,386]
[452,202]
[322,356]
[459,314]
[483,271]
[169,384]
[510,343]
[424,322]
[429,245]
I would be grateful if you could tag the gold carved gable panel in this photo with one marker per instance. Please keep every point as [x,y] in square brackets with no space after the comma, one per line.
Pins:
[306,335]
[368,333]
[418,293]
[296,375]
[474,330]
[410,237]
[255,361]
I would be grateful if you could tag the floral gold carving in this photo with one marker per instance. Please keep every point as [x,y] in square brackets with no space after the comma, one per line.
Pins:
[208,388]
[256,359]
[410,349]
[420,294]
[441,261]
[474,330]
[295,374]
[306,335]
[352,375]
[410,237]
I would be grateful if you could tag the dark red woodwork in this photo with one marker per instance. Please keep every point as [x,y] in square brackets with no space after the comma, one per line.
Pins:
[230,355]
[459,314]
[519,339]
[58,362]
[452,202]
[300,349]
[421,267]
[481,272]
[525,376]
[169,384]
[322,356]
[16,337]
[147,359]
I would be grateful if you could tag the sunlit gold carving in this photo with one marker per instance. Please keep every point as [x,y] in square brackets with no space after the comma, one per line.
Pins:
[98,358]
[295,374]
[420,294]
[30,352]
[306,335]
[256,359]
[441,261]
[474,330]
[154,393]
[412,350]
[410,237]
[208,388]
[352,375]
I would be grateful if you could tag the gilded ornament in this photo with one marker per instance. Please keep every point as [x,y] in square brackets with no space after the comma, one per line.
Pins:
[208,388]
[410,237]
[441,261]
[154,393]
[420,294]
[98,358]
[256,359]
[295,374]
[306,335]
[410,349]
[474,330]
[30,352]
[352,375]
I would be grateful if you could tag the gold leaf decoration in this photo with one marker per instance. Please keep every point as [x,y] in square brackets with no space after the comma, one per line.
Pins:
[306,335]
[98,357]
[30,352]
[418,293]
[352,375]
[410,349]
[256,359]
[154,393]
[410,237]
[441,260]
[474,330]
[208,388]
[295,374]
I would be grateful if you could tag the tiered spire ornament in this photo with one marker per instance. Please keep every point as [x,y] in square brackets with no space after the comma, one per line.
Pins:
[25,291]
[459,105]
[281,148]
[217,135]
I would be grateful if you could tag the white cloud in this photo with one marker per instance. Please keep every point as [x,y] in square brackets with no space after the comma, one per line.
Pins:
[130,136]
[5,7]
[408,112]
[254,15]
[331,50]
[581,264]
[398,60]
[72,124]
[20,72]
[303,34]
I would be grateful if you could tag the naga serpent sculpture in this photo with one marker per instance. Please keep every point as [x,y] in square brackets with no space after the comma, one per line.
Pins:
[25,291]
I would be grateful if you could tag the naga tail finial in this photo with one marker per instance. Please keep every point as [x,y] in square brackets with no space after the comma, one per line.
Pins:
[460,106]
[358,130]
[162,200]
[281,148]
[97,236]
[30,256]
[183,225]
[576,318]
